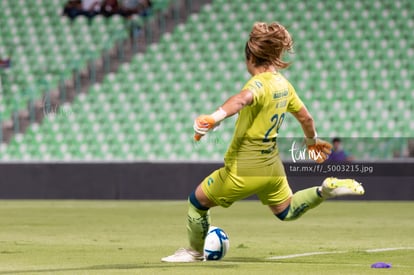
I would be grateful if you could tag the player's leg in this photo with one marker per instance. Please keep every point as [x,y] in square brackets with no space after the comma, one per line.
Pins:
[198,223]
[297,205]
[198,219]
[278,195]
[216,189]
[303,200]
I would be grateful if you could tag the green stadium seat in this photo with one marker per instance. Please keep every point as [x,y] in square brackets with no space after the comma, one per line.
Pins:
[197,66]
[47,44]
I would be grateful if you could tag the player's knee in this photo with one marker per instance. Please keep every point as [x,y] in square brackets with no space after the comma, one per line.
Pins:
[284,214]
[195,203]
[287,214]
[292,213]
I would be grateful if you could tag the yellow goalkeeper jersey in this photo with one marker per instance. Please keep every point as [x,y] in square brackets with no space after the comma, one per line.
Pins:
[254,140]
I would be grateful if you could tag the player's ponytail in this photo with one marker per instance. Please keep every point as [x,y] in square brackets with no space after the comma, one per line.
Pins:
[267,43]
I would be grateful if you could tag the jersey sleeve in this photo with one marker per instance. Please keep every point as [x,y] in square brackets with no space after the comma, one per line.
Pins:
[295,103]
[256,87]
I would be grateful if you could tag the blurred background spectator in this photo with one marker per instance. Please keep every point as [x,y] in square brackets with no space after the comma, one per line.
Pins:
[110,7]
[140,7]
[73,8]
[90,8]
[4,63]
[411,148]
[338,153]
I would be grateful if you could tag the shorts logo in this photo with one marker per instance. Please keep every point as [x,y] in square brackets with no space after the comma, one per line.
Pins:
[210,181]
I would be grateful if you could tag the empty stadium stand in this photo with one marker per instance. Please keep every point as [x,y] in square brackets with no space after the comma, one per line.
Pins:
[351,65]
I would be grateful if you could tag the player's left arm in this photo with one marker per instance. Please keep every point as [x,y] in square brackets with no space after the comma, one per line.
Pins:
[230,107]
[306,121]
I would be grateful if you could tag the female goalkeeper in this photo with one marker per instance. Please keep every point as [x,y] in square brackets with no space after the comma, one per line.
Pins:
[252,164]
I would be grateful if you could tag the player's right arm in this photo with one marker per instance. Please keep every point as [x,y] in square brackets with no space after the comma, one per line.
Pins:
[237,102]
[232,106]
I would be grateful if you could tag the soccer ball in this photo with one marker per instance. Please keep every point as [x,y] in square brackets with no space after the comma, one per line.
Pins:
[216,244]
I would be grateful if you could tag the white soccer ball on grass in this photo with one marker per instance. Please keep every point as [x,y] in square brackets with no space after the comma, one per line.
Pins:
[216,244]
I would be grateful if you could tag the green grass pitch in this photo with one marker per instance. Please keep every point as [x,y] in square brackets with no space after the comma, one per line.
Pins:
[130,237]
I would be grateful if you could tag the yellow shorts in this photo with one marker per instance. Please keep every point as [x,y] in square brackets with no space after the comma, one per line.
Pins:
[270,184]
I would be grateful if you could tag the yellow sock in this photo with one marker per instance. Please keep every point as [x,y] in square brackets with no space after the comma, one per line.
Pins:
[302,201]
[198,223]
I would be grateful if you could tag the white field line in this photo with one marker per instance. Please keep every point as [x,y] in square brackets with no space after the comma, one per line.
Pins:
[336,252]
[304,255]
[388,249]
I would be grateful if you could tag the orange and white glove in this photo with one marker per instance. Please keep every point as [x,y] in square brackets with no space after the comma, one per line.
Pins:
[319,150]
[205,123]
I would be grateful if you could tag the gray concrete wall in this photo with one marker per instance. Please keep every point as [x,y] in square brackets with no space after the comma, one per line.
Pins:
[387,181]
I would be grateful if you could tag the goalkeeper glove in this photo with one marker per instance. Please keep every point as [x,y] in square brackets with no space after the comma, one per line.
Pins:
[319,150]
[205,123]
